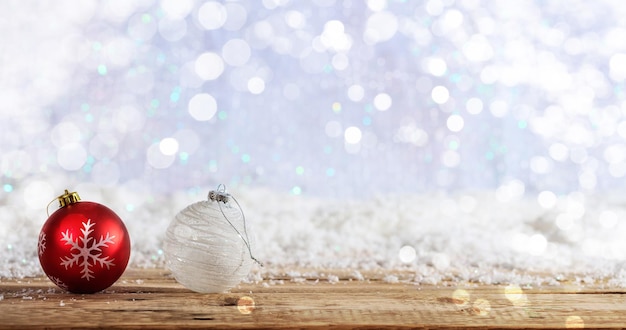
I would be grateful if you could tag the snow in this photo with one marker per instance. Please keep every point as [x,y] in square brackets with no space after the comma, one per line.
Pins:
[390,279]
[357,275]
[516,241]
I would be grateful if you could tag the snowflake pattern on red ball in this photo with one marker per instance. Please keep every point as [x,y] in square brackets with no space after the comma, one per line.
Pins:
[42,243]
[59,283]
[88,250]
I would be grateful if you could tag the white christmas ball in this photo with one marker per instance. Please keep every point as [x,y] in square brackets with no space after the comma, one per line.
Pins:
[203,250]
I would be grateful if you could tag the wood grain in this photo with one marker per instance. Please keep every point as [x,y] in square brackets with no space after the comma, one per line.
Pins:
[150,298]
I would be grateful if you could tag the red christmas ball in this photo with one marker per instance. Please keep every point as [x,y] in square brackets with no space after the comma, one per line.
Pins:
[84,247]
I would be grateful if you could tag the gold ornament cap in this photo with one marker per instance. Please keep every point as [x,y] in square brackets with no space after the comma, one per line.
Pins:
[68,198]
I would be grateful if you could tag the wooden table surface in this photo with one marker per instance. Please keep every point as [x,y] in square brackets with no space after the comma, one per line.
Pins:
[151,298]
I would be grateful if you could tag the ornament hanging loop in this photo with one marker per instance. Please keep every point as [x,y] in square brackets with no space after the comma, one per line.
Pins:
[221,197]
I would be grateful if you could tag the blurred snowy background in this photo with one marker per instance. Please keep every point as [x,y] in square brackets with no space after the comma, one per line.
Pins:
[380,133]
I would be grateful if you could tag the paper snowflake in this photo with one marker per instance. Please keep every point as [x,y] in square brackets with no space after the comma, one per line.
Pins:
[88,250]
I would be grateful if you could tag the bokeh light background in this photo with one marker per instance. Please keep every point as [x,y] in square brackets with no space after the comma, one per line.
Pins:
[135,101]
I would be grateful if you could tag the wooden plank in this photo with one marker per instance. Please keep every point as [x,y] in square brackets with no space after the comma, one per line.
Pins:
[150,298]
